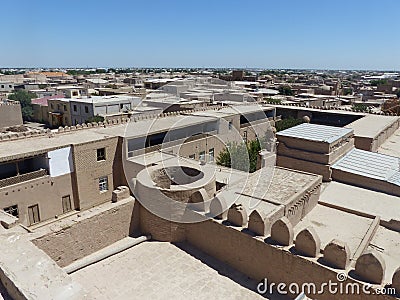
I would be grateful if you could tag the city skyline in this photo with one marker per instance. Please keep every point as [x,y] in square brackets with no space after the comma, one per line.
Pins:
[290,35]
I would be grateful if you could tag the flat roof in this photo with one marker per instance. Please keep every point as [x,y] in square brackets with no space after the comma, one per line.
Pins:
[371,125]
[314,132]
[362,200]
[159,270]
[25,147]
[230,111]
[371,164]
[275,185]
[392,145]
[331,111]
[150,126]
[330,223]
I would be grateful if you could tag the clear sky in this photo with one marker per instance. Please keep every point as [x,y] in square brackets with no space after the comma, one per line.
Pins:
[314,34]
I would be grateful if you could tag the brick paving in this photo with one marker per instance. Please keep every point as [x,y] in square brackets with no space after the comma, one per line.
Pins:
[157,270]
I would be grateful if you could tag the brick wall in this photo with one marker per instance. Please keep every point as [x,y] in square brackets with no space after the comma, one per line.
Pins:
[10,115]
[259,260]
[88,171]
[160,229]
[107,225]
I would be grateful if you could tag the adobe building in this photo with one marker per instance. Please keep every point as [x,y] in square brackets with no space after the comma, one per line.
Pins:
[277,223]
[45,177]
[78,167]
[313,148]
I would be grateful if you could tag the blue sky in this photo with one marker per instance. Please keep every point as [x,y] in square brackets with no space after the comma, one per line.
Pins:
[351,34]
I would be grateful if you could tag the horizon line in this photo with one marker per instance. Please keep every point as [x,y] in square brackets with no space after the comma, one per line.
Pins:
[200,68]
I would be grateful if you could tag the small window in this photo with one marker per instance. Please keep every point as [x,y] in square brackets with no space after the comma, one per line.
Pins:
[58,107]
[2,86]
[202,155]
[245,136]
[230,125]
[211,155]
[101,154]
[65,108]
[66,204]
[86,109]
[75,108]
[51,105]
[33,213]
[12,210]
[103,184]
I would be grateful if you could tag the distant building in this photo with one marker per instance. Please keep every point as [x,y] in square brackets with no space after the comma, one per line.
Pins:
[73,111]
[96,83]
[6,87]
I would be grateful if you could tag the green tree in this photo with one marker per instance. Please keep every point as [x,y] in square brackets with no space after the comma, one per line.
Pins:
[25,99]
[240,156]
[96,119]
[378,82]
[360,107]
[285,90]
[287,123]
[347,91]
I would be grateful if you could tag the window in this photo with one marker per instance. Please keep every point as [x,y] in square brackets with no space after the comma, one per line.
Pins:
[202,155]
[230,125]
[12,210]
[103,184]
[65,108]
[86,109]
[33,213]
[245,136]
[193,156]
[66,204]
[101,154]
[2,86]
[75,109]
[211,155]
[51,105]
[58,107]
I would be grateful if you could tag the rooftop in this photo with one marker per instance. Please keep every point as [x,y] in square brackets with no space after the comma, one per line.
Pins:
[371,125]
[371,165]
[318,133]
[150,126]
[21,148]
[43,101]
[392,145]
[362,200]
[159,270]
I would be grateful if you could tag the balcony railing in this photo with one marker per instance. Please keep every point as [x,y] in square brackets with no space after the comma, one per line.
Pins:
[22,178]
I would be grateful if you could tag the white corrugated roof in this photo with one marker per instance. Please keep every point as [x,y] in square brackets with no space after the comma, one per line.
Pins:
[314,132]
[370,164]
